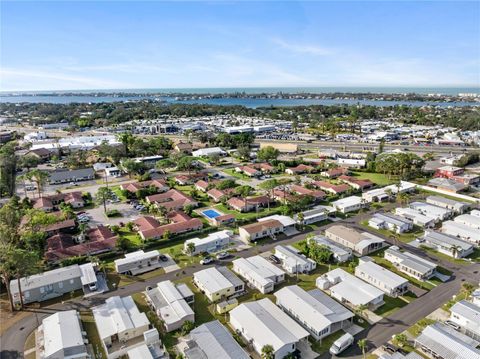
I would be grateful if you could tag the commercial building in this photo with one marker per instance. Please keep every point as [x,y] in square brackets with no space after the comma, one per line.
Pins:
[263,323]
[441,342]
[390,222]
[211,341]
[293,261]
[467,316]
[138,262]
[53,283]
[171,302]
[212,243]
[259,273]
[349,204]
[315,311]
[120,325]
[410,264]
[340,254]
[350,290]
[446,244]
[361,243]
[390,283]
[61,336]
[218,283]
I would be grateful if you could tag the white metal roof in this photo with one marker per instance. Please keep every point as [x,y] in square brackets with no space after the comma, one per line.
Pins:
[286,221]
[267,324]
[411,260]
[335,248]
[314,308]
[62,331]
[461,230]
[212,237]
[291,255]
[446,240]
[136,256]
[347,201]
[470,312]
[46,278]
[430,209]
[382,275]
[469,220]
[215,279]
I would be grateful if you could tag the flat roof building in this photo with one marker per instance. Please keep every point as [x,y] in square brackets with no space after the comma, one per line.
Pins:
[390,222]
[361,243]
[390,283]
[468,220]
[447,203]
[447,244]
[259,273]
[467,316]
[416,217]
[212,243]
[263,323]
[315,311]
[410,264]
[430,210]
[293,261]
[462,231]
[218,283]
[340,253]
[348,204]
[138,262]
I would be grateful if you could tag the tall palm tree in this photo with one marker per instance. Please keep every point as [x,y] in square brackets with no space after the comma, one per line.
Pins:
[40,179]
[362,344]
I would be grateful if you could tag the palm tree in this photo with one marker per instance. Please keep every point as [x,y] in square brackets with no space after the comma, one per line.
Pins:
[268,352]
[362,344]
[39,177]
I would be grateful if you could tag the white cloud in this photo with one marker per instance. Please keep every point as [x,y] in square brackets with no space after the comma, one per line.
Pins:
[303,48]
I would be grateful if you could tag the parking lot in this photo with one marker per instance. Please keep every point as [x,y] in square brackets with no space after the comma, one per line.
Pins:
[98,216]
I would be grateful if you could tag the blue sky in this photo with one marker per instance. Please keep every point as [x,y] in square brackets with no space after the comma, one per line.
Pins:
[98,45]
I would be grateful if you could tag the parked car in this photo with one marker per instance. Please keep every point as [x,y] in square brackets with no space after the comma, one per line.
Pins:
[341,344]
[223,255]
[389,348]
[452,324]
[274,259]
[163,258]
[206,260]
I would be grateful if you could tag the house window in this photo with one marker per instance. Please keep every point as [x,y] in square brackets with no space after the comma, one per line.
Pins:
[60,285]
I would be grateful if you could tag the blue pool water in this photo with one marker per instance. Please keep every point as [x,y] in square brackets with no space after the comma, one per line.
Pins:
[211,213]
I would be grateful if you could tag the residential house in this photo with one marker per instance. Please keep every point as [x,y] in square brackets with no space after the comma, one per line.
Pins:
[468,220]
[316,194]
[334,172]
[183,147]
[358,184]
[201,186]
[134,187]
[446,184]
[83,174]
[467,316]
[248,171]
[390,222]
[181,224]
[52,202]
[54,283]
[441,342]
[361,243]
[223,220]
[212,243]
[332,188]
[43,154]
[262,323]
[315,311]
[211,340]
[390,283]
[248,204]
[350,290]
[351,162]
[190,178]
[218,283]
[314,215]
[416,217]
[439,213]
[349,204]
[266,227]
[120,325]
[462,231]
[208,152]
[300,169]
[410,264]
[61,336]
[340,254]
[294,262]
[173,199]
[447,244]
[217,195]
[259,273]
[447,203]
[138,262]
[171,302]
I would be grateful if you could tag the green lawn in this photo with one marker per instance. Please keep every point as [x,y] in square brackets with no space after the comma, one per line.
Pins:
[233,173]
[445,257]
[133,237]
[377,178]
[444,195]
[326,343]
[118,192]
[89,326]
[417,328]
[391,305]
[249,216]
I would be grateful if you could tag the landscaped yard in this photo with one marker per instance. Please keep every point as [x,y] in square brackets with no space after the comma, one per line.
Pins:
[377,178]
[391,305]
[447,258]
[249,215]
[326,343]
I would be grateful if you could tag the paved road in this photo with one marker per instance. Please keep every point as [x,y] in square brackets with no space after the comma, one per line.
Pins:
[13,340]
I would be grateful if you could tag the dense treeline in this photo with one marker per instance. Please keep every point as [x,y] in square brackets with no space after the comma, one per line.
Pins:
[87,115]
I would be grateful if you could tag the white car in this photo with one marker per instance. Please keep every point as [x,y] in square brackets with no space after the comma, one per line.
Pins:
[206,260]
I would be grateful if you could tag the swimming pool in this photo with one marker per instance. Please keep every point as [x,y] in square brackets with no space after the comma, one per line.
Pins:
[211,213]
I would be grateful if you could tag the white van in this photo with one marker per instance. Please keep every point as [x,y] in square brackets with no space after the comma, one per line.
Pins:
[341,344]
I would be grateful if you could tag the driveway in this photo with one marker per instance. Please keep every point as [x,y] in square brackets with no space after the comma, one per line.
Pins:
[98,216]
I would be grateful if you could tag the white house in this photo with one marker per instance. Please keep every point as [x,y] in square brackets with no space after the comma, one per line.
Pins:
[263,323]
[439,341]
[209,341]
[351,162]
[349,204]
[475,212]
[293,261]
[61,336]
[468,220]
[212,243]
[462,231]
[447,244]
[384,193]
[340,253]
[390,222]
[313,215]
[467,316]
[207,152]
[439,213]
[447,203]
[361,243]
[120,325]
[348,289]
[390,283]
[171,304]
[416,217]
[259,273]
[138,262]
[315,311]
[410,264]
[218,283]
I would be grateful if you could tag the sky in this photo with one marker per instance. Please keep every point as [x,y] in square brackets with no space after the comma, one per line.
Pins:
[69,45]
